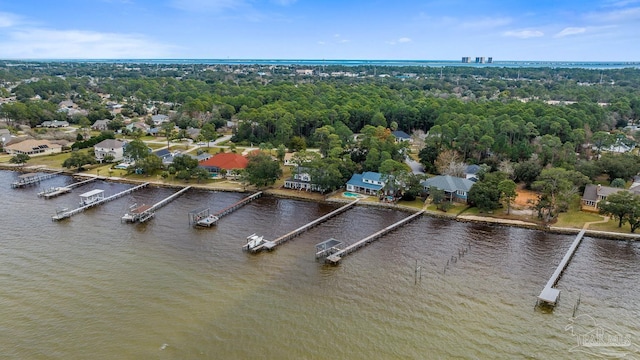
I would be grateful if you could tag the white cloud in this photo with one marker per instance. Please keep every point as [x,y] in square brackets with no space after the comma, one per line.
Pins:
[68,44]
[321,43]
[8,20]
[523,34]
[404,40]
[207,5]
[570,31]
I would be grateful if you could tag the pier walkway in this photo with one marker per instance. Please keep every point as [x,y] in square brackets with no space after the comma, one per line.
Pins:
[56,191]
[32,179]
[549,294]
[143,213]
[335,258]
[229,209]
[70,213]
[270,245]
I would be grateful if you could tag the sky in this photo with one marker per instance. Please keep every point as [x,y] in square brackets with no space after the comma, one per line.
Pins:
[538,30]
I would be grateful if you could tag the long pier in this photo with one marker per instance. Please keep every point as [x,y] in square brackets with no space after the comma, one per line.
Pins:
[549,294]
[70,213]
[32,179]
[270,245]
[60,190]
[229,209]
[148,212]
[335,258]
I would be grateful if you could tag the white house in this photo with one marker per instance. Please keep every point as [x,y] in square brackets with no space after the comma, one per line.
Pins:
[109,147]
[301,180]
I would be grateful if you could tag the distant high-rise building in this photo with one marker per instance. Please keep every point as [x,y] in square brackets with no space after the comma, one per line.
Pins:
[489,60]
[466,59]
[480,60]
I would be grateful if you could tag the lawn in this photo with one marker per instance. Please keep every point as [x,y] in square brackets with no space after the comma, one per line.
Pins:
[611,225]
[53,161]
[576,219]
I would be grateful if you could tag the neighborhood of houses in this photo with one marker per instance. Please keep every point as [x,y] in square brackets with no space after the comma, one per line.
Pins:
[229,165]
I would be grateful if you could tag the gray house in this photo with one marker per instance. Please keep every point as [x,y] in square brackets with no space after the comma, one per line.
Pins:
[455,188]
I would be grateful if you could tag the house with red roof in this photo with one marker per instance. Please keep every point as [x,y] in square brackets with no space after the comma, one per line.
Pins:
[231,163]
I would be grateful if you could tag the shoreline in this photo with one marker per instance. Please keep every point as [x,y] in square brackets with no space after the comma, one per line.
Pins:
[291,194]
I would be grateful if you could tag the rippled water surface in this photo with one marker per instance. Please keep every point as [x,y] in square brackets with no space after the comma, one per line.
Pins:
[93,287]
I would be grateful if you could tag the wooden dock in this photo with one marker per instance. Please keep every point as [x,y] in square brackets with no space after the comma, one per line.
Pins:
[270,245]
[143,213]
[229,209]
[25,180]
[67,214]
[549,294]
[60,190]
[335,258]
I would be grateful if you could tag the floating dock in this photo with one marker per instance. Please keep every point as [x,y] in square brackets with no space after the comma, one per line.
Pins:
[335,258]
[67,214]
[145,212]
[270,245]
[32,179]
[549,294]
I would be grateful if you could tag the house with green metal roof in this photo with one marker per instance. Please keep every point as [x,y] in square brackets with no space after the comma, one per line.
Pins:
[455,188]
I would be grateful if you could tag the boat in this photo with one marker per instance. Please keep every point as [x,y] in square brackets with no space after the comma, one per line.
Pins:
[254,241]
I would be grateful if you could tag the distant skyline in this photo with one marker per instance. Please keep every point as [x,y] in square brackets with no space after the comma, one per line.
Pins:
[543,30]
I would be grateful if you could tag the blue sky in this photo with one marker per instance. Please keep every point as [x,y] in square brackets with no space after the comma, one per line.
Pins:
[584,30]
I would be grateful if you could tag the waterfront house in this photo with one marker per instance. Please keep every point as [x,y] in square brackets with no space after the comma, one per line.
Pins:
[33,147]
[455,188]
[301,180]
[593,194]
[111,147]
[224,163]
[368,183]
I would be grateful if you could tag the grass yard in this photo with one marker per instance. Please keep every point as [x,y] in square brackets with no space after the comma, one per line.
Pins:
[611,225]
[576,219]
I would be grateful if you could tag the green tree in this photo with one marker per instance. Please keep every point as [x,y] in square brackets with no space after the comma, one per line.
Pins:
[208,132]
[262,170]
[79,159]
[527,172]
[19,159]
[136,150]
[508,192]
[439,198]
[622,205]
[149,164]
[556,186]
[618,183]
[281,151]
